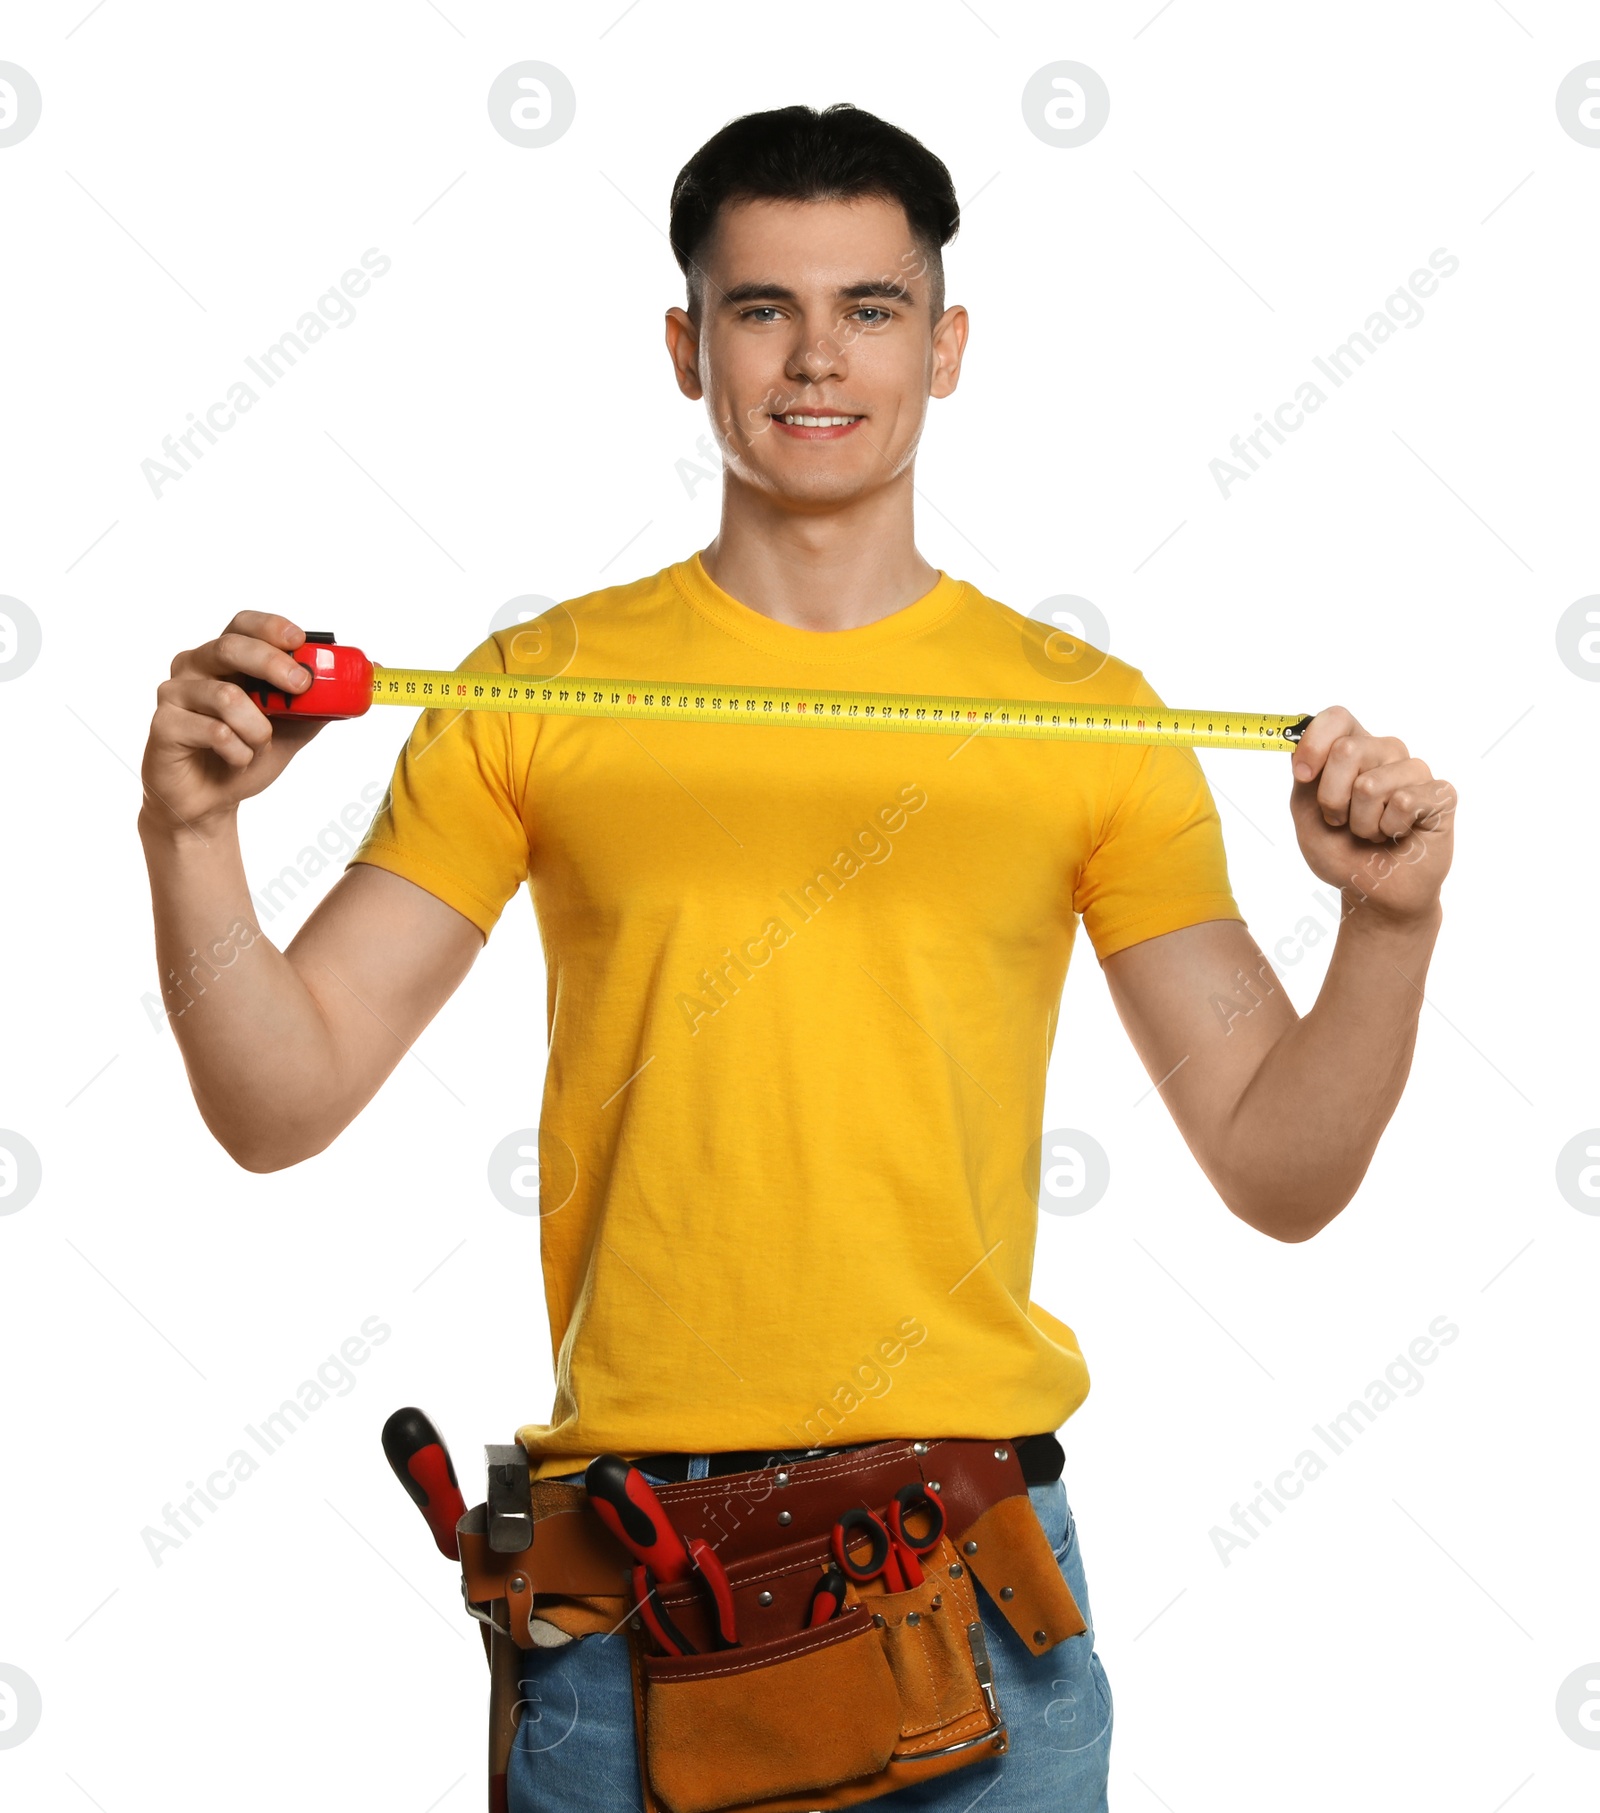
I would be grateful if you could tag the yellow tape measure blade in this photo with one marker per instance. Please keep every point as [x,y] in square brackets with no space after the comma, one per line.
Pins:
[929,714]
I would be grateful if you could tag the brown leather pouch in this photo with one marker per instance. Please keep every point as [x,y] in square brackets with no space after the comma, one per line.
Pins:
[893,1690]
[904,1694]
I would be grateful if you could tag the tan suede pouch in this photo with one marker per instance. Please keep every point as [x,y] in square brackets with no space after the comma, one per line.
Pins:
[773,1719]
[885,1694]
[1009,1552]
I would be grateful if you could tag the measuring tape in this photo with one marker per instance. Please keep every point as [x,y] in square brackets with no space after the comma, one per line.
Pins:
[345,683]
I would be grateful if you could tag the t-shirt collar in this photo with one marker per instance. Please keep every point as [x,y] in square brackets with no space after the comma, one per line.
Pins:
[787,639]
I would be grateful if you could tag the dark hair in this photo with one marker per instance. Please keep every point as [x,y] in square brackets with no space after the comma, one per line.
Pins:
[801,154]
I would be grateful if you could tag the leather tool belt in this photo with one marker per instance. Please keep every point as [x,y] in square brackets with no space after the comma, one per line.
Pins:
[893,1689]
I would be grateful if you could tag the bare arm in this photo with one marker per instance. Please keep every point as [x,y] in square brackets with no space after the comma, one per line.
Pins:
[1284,1113]
[283,1047]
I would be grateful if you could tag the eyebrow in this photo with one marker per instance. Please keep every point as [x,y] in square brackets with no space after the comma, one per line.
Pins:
[889,289]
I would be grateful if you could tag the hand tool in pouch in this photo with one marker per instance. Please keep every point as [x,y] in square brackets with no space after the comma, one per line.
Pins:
[623,1500]
[422,1464]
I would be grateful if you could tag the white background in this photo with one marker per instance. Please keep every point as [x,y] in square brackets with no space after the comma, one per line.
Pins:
[499,419]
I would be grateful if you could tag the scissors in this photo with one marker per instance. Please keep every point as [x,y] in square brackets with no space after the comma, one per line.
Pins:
[892,1549]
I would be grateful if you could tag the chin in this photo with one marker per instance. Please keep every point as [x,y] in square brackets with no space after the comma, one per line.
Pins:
[815,487]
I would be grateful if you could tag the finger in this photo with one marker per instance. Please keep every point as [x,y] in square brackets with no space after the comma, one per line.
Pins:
[236,653]
[276,631]
[1428,807]
[218,699]
[1348,756]
[1374,787]
[1318,737]
[268,626]
[176,731]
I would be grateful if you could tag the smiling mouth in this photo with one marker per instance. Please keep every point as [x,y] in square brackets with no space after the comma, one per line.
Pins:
[802,425]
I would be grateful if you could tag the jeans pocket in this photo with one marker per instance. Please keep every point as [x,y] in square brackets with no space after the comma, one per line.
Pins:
[1069,1538]
[1054,1513]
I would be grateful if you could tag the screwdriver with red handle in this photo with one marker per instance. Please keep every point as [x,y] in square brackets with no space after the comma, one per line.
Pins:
[422,1464]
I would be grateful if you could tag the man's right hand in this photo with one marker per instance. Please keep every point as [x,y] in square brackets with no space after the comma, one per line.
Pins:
[210,744]
[283,1048]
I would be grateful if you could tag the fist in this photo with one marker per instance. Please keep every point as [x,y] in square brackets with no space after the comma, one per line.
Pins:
[1371,818]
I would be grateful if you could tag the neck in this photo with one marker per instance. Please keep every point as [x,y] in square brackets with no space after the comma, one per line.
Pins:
[831,568]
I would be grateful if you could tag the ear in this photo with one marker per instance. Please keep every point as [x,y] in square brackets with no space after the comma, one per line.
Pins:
[683,348]
[949,342]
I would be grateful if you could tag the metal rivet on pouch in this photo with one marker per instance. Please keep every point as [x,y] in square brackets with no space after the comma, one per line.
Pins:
[517,1583]
[955,1570]
[877,1619]
[935,1602]
[913,1617]
[969,1548]
[783,1479]
[785,1517]
[919,1447]
[1005,1592]
[1002,1454]
[933,1485]
[1041,1638]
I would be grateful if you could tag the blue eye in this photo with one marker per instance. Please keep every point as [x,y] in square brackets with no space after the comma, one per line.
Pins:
[769,308]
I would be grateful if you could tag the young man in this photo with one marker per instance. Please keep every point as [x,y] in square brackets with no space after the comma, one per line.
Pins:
[803,987]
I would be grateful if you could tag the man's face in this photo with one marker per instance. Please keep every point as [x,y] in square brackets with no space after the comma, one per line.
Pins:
[816,309]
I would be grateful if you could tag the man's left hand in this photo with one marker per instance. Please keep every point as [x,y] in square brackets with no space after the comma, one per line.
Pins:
[1371,818]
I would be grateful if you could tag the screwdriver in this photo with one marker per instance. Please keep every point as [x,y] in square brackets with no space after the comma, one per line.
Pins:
[422,1464]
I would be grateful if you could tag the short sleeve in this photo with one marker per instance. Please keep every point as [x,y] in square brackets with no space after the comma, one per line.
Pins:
[1159,862]
[452,819]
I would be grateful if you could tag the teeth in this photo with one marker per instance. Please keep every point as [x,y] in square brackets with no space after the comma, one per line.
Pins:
[819,421]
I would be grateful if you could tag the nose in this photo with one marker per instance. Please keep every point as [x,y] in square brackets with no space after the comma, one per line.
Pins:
[815,356]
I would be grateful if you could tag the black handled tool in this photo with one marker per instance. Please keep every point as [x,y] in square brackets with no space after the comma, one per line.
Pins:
[827,1597]
[917,1502]
[422,1464]
[654,1614]
[715,1576]
[625,1504]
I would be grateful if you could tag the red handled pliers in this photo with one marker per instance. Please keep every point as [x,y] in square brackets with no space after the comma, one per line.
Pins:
[622,1499]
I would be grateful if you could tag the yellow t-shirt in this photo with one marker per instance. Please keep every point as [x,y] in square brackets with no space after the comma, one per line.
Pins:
[802,991]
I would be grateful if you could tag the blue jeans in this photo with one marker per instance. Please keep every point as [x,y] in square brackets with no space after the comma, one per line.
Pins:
[575,1750]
